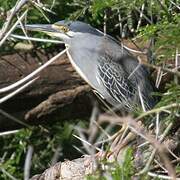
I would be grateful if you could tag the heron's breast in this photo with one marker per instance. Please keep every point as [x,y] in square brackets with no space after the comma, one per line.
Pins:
[85,61]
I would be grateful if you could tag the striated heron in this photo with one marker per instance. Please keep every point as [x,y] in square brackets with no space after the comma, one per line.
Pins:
[109,68]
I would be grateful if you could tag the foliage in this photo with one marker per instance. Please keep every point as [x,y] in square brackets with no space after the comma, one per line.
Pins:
[166,34]
[160,22]
[172,95]
[45,140]
[114,170]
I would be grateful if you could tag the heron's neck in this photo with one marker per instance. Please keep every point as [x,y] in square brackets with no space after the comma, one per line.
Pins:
[85,43]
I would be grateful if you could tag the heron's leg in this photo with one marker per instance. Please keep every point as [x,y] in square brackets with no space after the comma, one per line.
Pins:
[125,142]
[115,139]
[120,135]
[124,137]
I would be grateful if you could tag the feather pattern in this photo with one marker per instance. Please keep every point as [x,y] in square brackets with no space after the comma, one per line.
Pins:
[115,81]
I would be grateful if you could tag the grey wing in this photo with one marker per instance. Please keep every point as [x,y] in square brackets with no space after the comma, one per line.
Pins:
[114,79]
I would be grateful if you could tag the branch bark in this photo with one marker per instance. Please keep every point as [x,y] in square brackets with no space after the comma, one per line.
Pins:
[76,169]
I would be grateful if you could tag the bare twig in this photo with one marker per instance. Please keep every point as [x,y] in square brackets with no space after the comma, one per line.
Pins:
[147,18]
[13,118]
[175,4]
[27,165]
[147,167]
[5,98]
[120,23]
[42,6]
[93,126]
[13,11]
[159,77]
[105,23]
[174,72]
[157,125]
[177,63]
[87,143]
[7,174]
[133,125]
[141,99]
[8,132]
[12,28]
[155,175]
[156,110]
[141,16]
[56,155]
[133,50]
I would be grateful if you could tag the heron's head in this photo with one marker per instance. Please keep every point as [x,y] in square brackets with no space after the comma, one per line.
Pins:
[65,30]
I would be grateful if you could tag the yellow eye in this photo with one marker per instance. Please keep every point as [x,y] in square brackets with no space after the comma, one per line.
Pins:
[61,28]
[65,29]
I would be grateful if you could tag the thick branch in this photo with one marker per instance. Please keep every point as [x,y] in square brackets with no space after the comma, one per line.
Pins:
[59,93]
[76,169]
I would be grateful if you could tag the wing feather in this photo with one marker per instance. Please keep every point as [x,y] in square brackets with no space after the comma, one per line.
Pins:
[115,81]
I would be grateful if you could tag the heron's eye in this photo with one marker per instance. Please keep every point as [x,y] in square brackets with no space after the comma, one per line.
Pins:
[61,28]
[64,29]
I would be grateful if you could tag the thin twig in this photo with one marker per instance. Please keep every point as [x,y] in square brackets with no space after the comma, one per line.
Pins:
[7,174]
[175,4]
[41,6]
[156,110]
[176,65]
[174,72]
[141,16]
[28,161]
[147,18]
[14,10]
[8,132]
[157,125]
[84,141]
[120,23]
[5,98]
[141,99]
[160,176]
[147,167]
[134,126]
[105,23]
[13,118]
[79,150]
[12,28]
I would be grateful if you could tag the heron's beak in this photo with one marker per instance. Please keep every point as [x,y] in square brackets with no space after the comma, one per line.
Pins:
[46,28]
